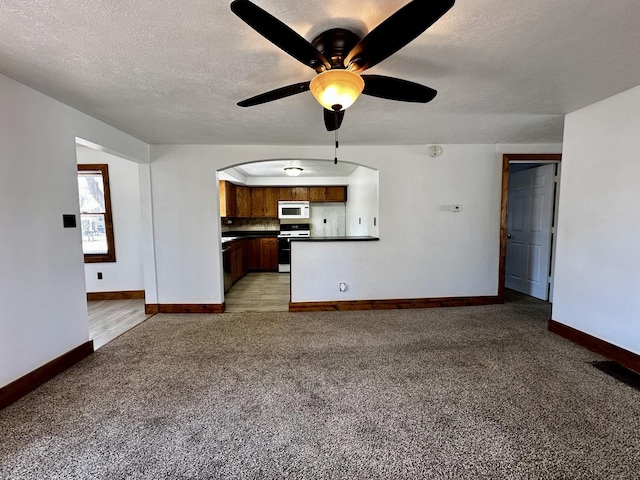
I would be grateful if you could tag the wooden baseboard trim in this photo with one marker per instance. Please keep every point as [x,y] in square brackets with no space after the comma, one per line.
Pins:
[624,357]
[20,387]
[124,295]
[151,308]
[392,304]
[185,308]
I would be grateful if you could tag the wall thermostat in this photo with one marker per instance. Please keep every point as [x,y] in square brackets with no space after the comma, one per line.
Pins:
[435,150]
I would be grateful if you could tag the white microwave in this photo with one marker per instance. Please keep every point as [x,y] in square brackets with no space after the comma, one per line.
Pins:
[293,209]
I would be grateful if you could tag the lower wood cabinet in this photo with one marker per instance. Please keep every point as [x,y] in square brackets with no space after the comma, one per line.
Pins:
[253,254]
[269,253]
[237,259]
[262,253]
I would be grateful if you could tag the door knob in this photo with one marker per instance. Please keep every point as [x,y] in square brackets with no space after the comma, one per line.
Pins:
[508,237]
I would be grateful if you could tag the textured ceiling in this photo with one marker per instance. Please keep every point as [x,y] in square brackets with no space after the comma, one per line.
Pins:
[171,72]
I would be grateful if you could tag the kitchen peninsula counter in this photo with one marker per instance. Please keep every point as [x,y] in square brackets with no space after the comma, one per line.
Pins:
[337,239]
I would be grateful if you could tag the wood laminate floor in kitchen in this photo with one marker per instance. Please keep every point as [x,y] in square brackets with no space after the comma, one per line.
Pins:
[108,319]
[259,292]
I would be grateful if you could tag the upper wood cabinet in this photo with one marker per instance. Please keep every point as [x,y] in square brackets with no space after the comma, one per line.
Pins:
[227,199]
[293,193]
[328,194]
[243,201]
[264,202]
[271,202]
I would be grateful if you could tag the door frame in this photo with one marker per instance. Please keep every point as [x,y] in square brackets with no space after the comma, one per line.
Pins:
[504,205]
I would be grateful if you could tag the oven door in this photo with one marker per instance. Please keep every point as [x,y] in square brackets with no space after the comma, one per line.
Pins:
[284,255]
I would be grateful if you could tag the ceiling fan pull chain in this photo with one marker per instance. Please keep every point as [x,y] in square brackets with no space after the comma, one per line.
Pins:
[335,151]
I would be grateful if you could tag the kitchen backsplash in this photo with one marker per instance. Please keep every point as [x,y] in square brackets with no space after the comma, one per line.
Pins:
[328,219]
[251,224]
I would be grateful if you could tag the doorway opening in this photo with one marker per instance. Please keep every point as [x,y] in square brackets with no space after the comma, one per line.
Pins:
[528,223]
[263,209]
[114,283]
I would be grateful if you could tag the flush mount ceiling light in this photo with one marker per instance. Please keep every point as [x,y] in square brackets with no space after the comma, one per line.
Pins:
[336,89]
[293,171]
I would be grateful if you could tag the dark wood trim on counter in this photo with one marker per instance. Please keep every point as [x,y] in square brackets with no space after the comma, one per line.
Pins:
[392,304]
[152,308]
[624,357]
[123,295]
[32,380]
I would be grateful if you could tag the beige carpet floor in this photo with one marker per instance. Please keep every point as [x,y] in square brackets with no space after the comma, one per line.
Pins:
[473,393]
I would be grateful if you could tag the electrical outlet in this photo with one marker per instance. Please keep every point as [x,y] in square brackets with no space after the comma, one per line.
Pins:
[99,275]
[343,287]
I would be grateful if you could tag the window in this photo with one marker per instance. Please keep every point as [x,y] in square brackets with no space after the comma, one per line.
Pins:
[95,214]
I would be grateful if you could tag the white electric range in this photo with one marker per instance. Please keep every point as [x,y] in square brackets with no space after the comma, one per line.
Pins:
[287,232]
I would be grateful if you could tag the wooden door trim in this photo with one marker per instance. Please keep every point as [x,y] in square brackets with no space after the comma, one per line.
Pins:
[504,205]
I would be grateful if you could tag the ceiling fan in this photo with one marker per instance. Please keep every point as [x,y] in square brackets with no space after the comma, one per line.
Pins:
[339,56]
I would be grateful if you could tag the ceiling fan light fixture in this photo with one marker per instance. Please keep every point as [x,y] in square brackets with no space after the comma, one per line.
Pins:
[336,88]
[293,171]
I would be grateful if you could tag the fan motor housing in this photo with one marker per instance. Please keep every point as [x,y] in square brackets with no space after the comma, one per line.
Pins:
[335,45]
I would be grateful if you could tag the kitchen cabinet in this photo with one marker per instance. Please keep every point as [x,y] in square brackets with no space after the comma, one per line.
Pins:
[271,202]
[227,199]
[235,259]
[269,253]
[253,254]
[264,202]
[243,201]
[293,193]
[328,194]
[240,263]
[262,253]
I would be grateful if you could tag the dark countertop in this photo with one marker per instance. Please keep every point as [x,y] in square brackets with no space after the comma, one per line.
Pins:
[239,235]
[251,233]
[337,239]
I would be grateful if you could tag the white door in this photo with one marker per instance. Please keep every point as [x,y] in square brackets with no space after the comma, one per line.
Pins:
[529,220]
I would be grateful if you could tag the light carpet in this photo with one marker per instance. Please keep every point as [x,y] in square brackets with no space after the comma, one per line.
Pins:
[474,393]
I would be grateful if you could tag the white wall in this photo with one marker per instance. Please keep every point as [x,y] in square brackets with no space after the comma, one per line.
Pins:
[43,310]
[362,203]
[126,272]
[597,276]
[425,250]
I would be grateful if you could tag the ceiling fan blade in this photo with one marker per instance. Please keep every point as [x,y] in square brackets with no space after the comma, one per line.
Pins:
[280,34]
[333,120]
[395,32]
[276,94]
[397,89]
